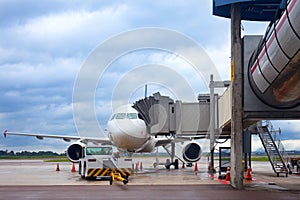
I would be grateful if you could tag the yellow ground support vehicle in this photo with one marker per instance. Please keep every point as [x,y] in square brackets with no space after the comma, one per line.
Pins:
[100,163]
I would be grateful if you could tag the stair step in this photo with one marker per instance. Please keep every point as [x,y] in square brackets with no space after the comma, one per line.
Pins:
[270,144]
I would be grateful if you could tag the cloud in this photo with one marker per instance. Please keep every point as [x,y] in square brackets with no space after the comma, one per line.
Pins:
[30,74]
[220,55]
[64,32]
[289,125]
[29,85]
[291,144]
[135,68]
[40,118]
[44,44]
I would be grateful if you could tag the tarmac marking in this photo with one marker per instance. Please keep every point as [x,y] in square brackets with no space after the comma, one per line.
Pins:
[228,182]
[257,180]
[220,180]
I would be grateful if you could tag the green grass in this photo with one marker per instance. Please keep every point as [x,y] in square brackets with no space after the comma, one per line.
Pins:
[253,158]
[45,158]
[260,158]
[57,160]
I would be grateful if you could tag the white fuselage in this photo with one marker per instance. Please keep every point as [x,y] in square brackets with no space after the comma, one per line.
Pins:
[127,132]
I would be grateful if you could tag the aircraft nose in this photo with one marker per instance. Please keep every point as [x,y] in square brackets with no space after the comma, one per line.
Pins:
[127,135]
[128,127]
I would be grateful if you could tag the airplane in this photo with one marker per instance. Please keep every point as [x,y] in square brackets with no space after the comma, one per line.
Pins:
[128,133]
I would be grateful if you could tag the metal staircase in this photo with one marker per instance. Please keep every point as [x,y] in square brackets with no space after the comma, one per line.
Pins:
[273,147]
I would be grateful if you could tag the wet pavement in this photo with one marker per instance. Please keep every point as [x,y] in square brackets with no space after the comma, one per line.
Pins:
[169,192]
[38,172]
[42,177]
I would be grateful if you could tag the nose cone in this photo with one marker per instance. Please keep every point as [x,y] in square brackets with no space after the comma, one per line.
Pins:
[127,134]
[135,128]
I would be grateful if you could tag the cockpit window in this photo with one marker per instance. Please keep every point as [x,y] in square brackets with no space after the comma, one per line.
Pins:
[112,117]
[120,116]
[124,116]
[131,115]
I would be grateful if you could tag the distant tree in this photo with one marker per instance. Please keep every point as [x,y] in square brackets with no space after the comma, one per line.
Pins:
[3,153]
[11,153]
[28,153]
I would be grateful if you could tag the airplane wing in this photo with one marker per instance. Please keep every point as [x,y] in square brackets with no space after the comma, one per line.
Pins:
[165,141]
[66,138]
[162,141]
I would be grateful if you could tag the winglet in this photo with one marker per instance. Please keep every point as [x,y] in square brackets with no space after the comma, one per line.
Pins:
[4,133]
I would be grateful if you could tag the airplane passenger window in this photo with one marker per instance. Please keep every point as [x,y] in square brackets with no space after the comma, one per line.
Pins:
[131,115]
[120,116]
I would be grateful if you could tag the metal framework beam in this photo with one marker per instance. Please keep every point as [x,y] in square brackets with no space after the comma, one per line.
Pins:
[212,130]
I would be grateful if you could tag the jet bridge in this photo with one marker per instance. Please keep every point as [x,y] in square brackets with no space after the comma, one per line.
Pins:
[257,106]
[163,116]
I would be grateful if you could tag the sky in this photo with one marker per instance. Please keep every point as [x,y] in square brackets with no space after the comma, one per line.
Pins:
[46,44]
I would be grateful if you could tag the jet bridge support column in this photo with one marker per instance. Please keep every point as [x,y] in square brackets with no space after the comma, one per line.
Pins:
[212,122]
[237,112]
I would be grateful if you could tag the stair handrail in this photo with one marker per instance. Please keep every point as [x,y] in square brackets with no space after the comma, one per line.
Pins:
[280,146]
[271,156]
[283,156]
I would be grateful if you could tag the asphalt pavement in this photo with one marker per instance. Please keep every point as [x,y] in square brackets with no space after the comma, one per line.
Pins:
[36,179]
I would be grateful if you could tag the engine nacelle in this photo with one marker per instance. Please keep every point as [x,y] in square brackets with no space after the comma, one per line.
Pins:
[192,152]
[74,151]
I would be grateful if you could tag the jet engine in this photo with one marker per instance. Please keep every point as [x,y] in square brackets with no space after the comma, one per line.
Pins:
[75,151]
[192,152]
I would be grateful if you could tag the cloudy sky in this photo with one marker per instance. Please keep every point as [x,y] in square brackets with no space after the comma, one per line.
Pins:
[45,44]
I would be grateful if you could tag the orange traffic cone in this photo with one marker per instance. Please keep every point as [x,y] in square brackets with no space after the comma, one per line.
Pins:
[73,168]
[228,174]
[248,175]
[183,165]
[137,166]
[141,166]
[57,167]
[196,168]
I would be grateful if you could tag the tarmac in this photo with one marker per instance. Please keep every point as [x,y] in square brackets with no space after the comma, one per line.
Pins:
[37,175]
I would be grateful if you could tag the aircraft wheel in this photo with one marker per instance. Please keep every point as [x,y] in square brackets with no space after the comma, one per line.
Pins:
[84,170]
[168,164]
[176,164]
[79,168]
